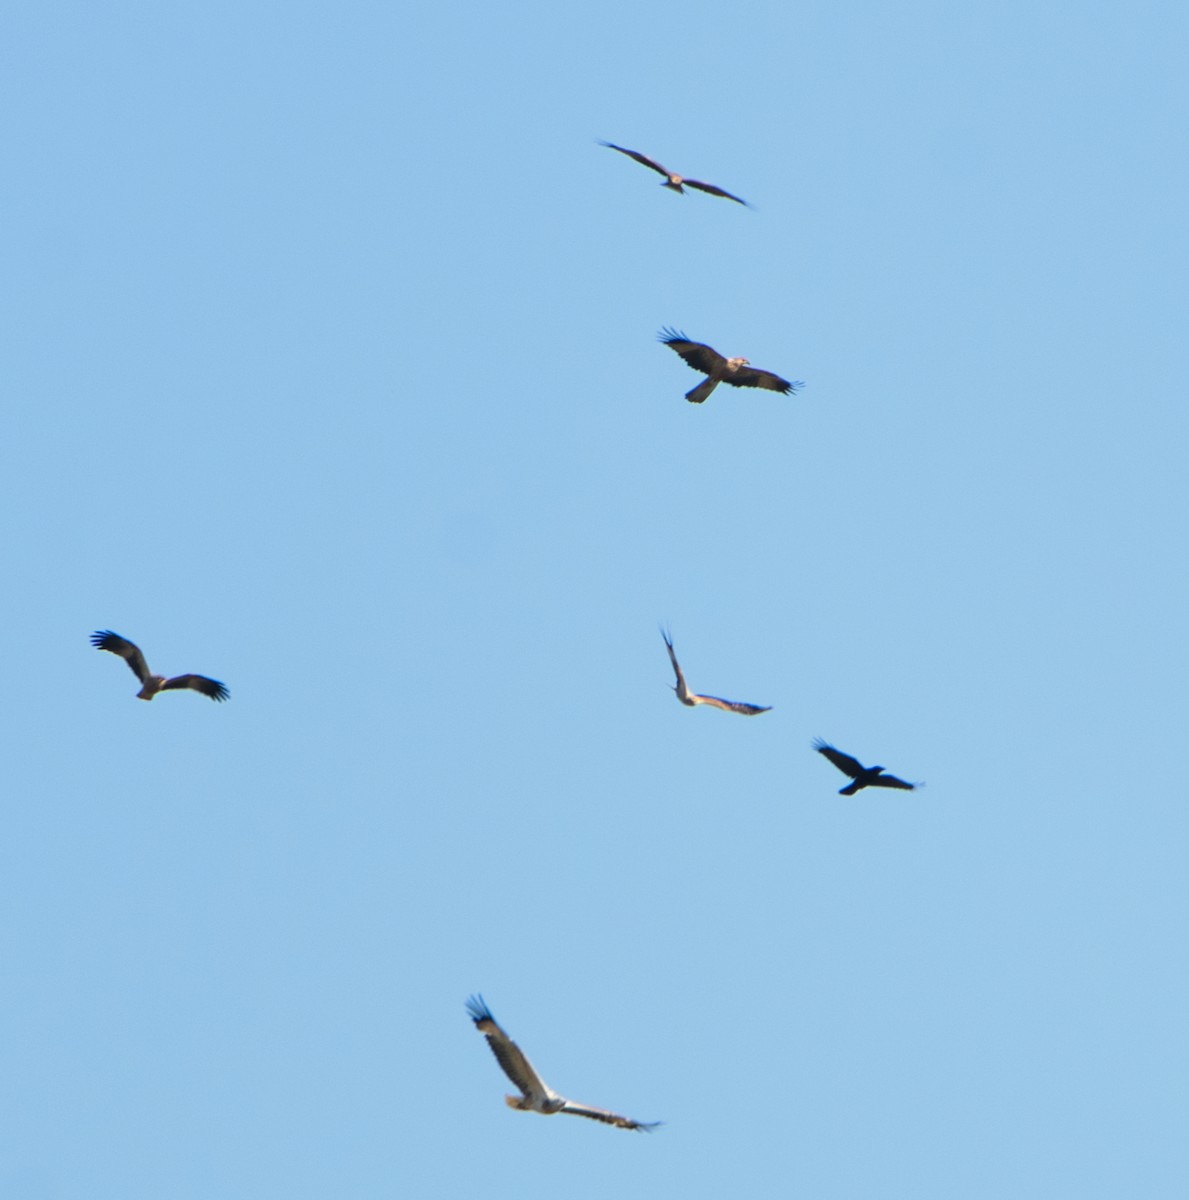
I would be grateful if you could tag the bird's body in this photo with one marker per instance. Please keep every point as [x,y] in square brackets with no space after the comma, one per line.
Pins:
[151,684]
[673,181]
[860,775]
[693,699]
[535,1094]
[737,372]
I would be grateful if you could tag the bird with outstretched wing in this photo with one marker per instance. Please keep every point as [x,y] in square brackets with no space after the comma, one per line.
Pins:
[692,699]
[738,372]
[104,639]
[677,183]
[535,1094]
[862,776]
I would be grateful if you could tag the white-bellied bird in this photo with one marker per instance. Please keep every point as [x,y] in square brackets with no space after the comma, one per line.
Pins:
[692,699]
[535,1094]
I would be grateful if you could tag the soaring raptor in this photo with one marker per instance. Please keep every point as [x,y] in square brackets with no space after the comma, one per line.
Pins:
[692,699]
[861,775]
[104,639]
[535,1094]
[738,372]
[678,183]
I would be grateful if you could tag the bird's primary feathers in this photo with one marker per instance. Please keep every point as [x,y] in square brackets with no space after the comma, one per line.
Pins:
[862,776]
[104,639]
[691,699]
[738,372]
[675,182]
[535,1094]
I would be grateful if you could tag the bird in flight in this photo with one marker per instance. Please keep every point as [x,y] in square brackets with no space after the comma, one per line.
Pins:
[738,372]
[535,1094]
[677,183]
[104,639]
[692,699]
[862,776]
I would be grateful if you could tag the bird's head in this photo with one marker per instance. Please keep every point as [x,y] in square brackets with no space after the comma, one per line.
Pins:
[739,362]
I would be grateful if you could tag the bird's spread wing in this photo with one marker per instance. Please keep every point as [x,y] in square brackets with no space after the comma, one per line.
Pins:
[198,683]
[714,191]
[640,158]
[507,1053]
[699,356]
[751,377]
[892,782]
[735,706]
[104,639]
[844,762]
[608,1118]
[673,658]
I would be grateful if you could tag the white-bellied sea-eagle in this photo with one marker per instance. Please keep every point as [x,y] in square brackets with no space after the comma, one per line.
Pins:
[693,698]
[535,1094]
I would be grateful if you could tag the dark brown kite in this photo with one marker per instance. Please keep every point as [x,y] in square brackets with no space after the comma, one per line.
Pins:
[677,183]
[738,372]
[104,639]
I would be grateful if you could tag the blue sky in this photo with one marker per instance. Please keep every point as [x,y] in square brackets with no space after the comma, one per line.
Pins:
[329,340]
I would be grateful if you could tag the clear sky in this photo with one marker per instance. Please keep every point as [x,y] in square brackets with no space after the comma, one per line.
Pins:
[330,365]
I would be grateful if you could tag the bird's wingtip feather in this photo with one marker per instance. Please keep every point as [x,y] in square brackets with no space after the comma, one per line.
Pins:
[478,1009]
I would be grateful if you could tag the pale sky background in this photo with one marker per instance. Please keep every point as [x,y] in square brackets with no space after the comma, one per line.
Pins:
[330,361]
